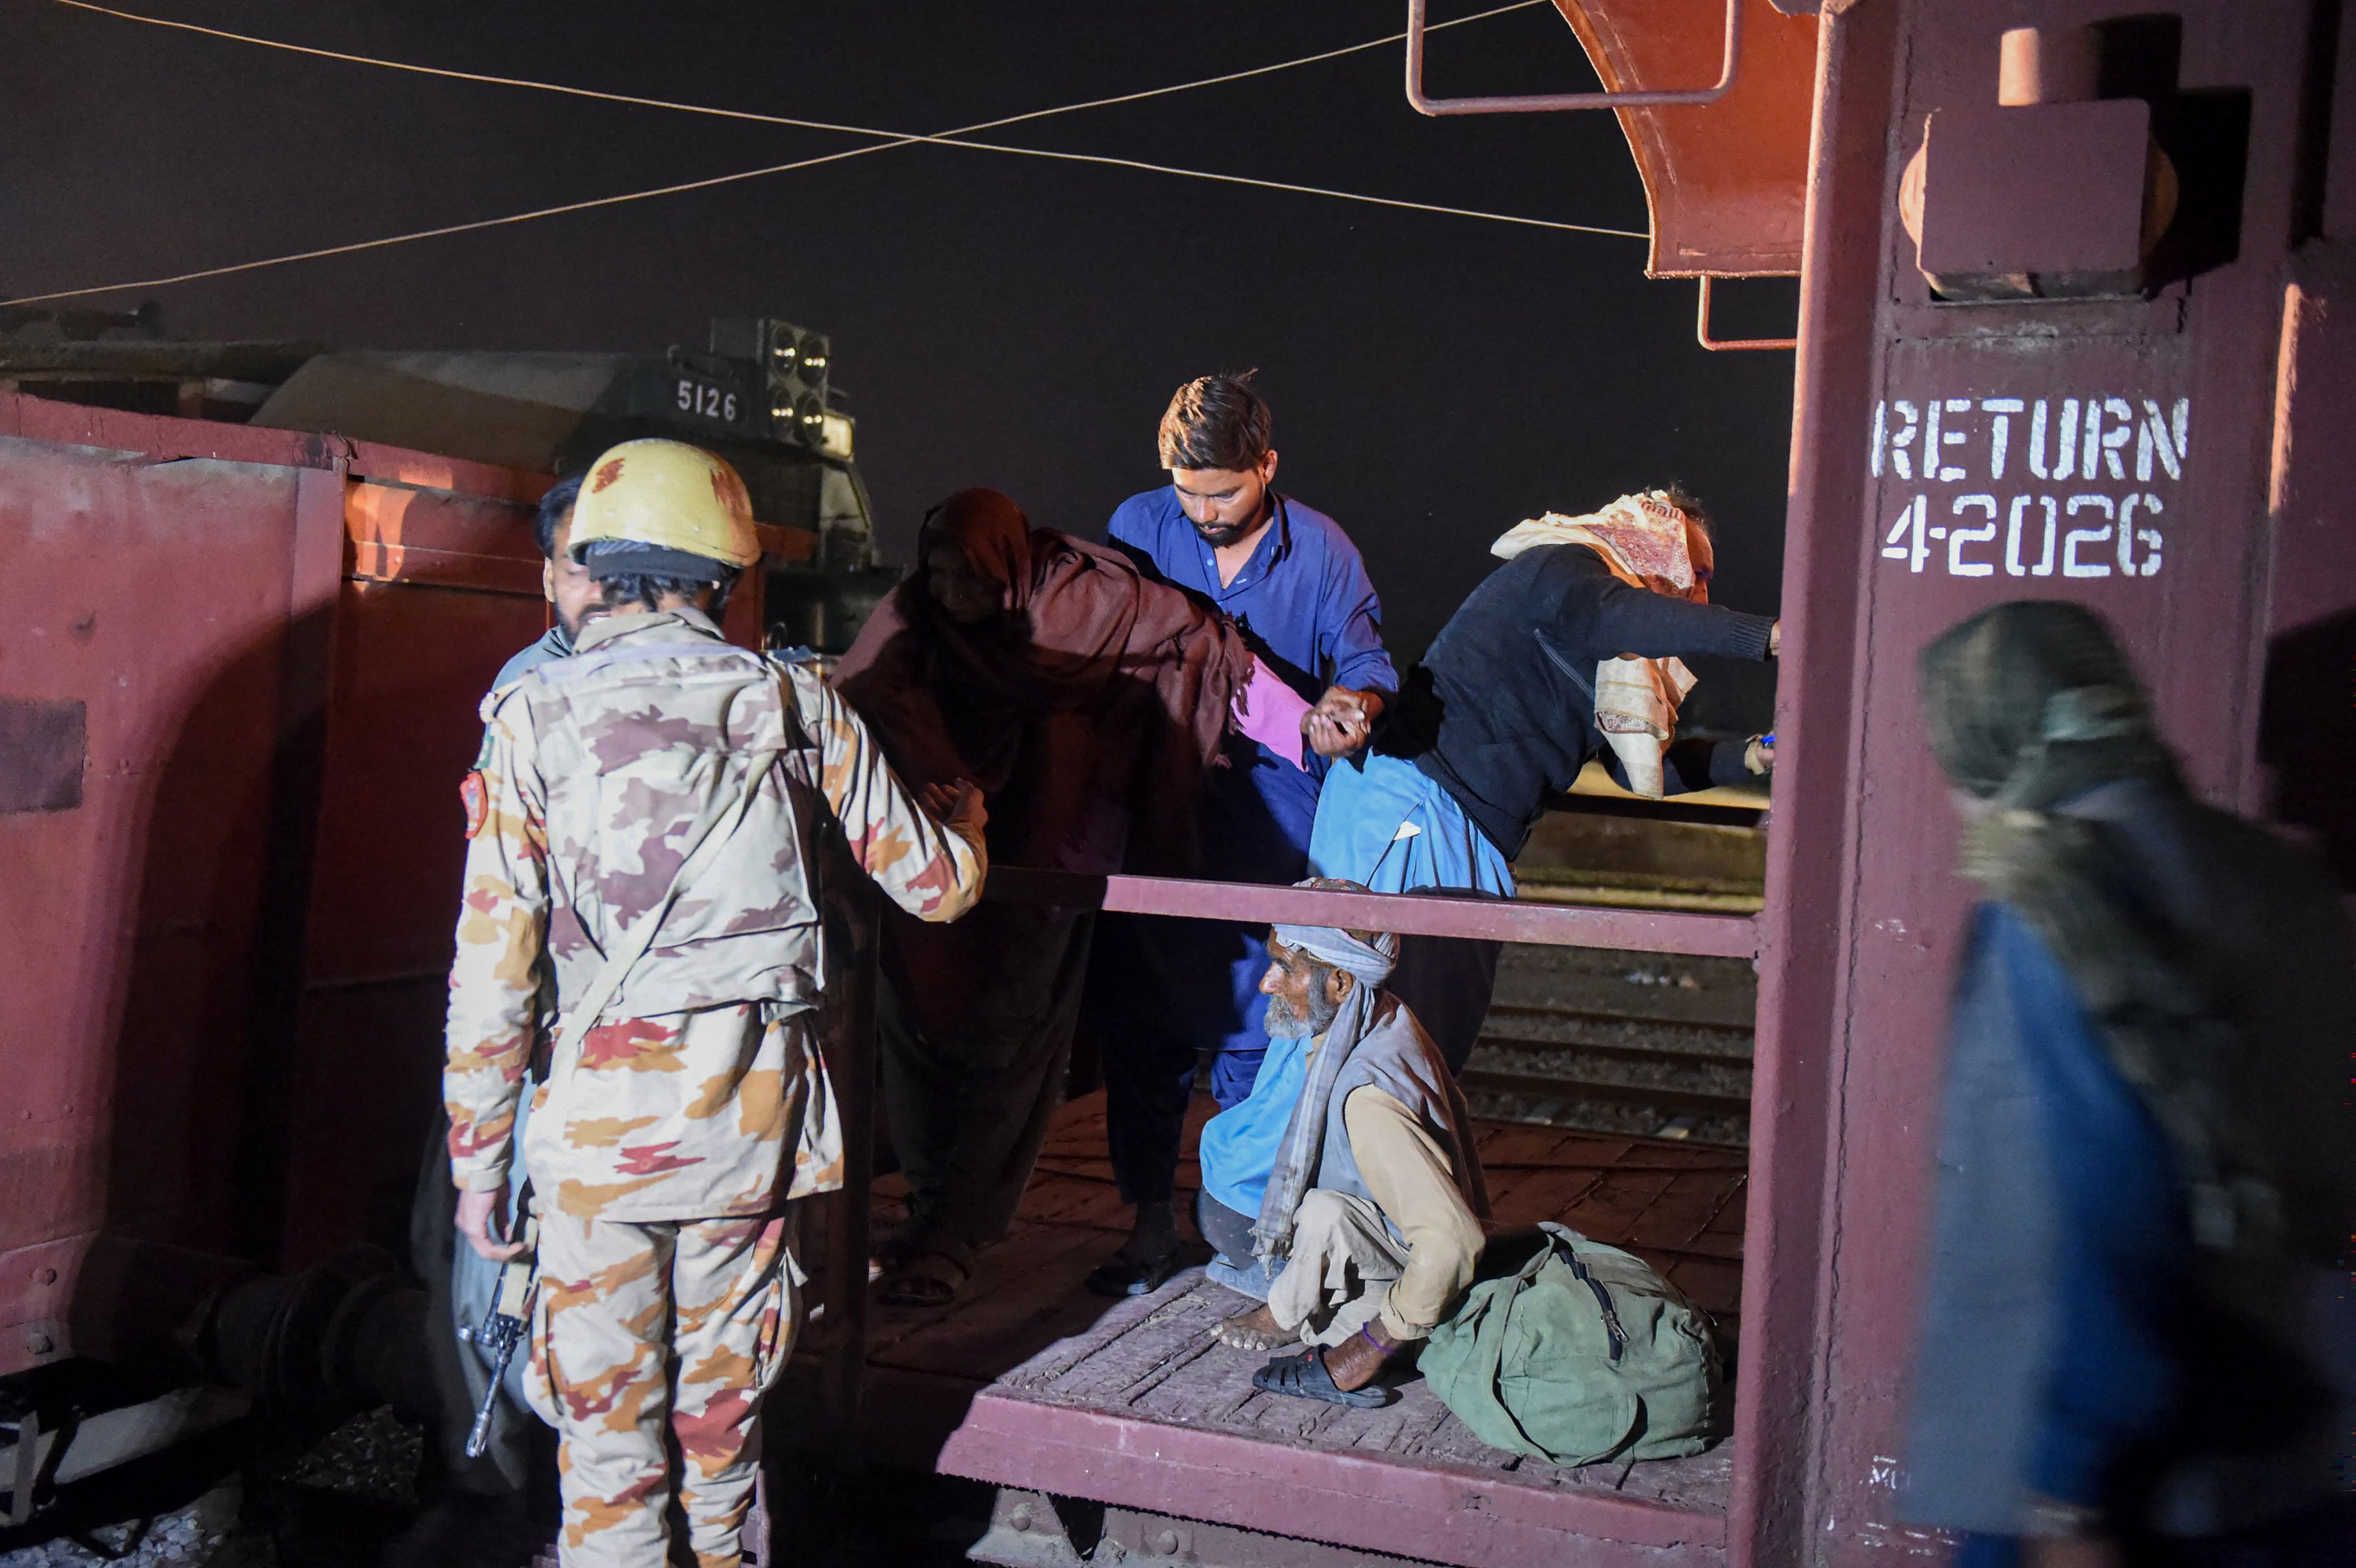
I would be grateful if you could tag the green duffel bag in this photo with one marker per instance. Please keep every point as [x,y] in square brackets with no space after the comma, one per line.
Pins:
[1580,1353]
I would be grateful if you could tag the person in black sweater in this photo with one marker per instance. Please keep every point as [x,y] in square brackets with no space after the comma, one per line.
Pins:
[1568,651]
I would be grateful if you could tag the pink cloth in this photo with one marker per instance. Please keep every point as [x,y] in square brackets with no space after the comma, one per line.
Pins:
[1271,712]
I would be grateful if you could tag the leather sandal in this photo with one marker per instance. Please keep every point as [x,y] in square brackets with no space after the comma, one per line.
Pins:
[896,1249]
[934,1277]
[1304,1376]
[1118,1276]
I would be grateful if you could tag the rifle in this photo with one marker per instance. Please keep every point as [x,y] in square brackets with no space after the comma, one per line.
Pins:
[500,1332]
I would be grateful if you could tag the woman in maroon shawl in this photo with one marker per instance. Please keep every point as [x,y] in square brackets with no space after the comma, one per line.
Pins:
[1088,704]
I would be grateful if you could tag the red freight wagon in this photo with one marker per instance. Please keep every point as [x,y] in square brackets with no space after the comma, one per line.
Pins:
[237,690]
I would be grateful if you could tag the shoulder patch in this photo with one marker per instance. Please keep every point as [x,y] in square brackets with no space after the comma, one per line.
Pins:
[493,698]
[498,697]
[475,796]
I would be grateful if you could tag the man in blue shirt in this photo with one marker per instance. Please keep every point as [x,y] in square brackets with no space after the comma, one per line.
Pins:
[564,583]
[1293,583]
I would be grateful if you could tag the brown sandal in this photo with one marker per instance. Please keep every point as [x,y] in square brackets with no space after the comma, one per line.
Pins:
[934,1277]
[898,1247]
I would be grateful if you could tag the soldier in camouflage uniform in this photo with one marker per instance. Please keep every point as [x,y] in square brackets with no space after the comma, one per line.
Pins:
[658,794]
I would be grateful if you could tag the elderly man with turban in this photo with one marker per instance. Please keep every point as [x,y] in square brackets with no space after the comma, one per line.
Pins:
[1570,650]
[1091,705]
[2147,1176]
[1344,1190]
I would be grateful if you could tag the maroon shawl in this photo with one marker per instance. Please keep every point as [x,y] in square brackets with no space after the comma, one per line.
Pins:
[1090,710]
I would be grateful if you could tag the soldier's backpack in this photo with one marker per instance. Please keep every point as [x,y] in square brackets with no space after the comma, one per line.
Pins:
[1578,1353]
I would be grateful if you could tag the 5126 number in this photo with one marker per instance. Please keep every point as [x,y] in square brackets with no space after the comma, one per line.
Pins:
[710,401]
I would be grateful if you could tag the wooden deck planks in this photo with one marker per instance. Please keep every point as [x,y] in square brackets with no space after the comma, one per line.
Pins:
[1027,1295]
[1060,1198]
[1156,1362]
[1028,1329]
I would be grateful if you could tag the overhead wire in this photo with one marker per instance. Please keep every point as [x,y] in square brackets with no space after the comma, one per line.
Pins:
[899,138]
[959,138]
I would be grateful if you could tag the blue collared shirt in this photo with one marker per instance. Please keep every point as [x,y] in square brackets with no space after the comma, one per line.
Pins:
[1307,609]
[554,643]
[1303,600]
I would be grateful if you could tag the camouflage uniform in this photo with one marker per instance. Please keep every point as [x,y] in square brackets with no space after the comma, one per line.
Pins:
[666,1158]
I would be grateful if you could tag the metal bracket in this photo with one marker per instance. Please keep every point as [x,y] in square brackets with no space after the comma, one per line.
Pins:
[1026,1531]
[1544,103]
[1720,345]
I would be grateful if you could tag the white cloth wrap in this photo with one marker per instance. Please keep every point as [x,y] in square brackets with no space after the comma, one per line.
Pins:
[1369,963]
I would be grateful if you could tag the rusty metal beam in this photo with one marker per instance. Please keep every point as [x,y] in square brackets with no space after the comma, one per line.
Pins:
[1410,914]
[1548,102]
[1423,1509]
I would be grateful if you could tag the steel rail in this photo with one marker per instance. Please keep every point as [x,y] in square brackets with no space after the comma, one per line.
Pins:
[1654,1055]
[1540,1086]
[1548,102]
[1603,1016]
[1410,913]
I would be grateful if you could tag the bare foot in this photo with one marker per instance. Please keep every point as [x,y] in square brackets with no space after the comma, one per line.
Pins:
[1253,1330]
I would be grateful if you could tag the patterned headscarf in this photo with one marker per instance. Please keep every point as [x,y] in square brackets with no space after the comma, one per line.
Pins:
[1648,542]
[1368,958]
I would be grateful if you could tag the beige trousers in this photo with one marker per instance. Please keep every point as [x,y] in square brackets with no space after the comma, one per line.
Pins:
[1343,1261]
[652,1344]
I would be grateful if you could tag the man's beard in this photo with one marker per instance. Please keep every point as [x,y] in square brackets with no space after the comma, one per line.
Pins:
[1219,536]
[1284,1024]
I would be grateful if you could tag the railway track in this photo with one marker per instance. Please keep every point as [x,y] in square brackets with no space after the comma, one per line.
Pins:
[1615,1052]
[1710,1085]
[1601,1015]
[1536,1086]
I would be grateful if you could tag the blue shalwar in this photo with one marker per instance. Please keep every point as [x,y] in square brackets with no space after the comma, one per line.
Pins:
[1169,989]
[1385,822]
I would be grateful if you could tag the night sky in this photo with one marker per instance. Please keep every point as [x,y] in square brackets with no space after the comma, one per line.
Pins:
[996,320]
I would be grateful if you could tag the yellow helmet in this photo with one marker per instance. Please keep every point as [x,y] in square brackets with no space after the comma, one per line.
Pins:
[669,496]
